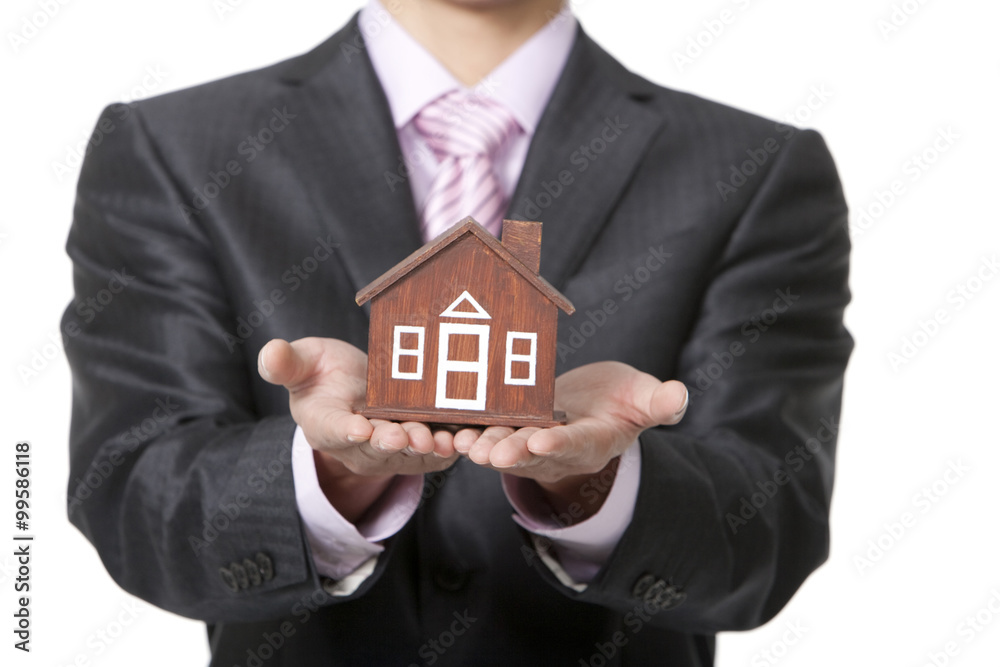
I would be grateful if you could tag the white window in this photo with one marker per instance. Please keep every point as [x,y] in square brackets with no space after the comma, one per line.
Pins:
[524,371]
[463,350]
[408,351]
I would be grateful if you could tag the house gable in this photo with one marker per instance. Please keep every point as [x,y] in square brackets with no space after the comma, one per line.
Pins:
[459,231]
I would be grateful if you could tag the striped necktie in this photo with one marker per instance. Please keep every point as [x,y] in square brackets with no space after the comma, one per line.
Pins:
[464,132]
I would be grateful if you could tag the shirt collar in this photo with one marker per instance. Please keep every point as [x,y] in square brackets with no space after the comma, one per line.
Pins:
[412,77]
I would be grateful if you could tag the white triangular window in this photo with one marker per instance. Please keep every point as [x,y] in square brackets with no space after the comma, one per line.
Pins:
[466,306]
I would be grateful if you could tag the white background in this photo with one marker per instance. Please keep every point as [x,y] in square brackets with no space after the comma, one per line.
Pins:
[889,96]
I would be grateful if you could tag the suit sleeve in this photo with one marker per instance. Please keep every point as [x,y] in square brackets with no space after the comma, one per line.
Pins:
[733,506]
[185,491]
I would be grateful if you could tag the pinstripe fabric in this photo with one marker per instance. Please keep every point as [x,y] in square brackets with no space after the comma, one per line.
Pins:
[464,132]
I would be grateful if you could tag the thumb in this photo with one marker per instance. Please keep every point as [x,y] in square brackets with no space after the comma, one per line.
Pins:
[284,363]
[668,403]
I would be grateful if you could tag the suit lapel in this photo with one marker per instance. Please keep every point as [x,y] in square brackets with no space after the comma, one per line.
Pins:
[593,134]
[346,156]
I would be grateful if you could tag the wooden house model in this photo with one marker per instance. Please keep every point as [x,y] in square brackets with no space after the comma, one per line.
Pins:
[463,331]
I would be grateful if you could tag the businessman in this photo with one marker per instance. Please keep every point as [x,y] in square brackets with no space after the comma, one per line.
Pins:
[701,246]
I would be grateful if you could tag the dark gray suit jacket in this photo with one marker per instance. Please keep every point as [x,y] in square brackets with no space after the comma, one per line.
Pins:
[697,242]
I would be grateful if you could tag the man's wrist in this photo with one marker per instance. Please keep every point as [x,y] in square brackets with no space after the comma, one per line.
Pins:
[580,497]
[349,493]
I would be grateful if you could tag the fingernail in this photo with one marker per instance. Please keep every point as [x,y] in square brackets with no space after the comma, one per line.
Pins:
[386,448]
[261,368]
[355,438]
[411,451]
[687,395]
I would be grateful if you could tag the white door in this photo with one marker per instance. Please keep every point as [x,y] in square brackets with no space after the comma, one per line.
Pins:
[463,350]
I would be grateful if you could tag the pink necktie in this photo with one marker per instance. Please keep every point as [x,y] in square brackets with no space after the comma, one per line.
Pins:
[464,132]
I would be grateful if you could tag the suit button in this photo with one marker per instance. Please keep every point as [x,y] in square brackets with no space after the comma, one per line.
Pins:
[670,597]
[240,573]
[265,565]
[657,594]
[654,591]
[252,571]
[450,579]
[229,579]
[642,585]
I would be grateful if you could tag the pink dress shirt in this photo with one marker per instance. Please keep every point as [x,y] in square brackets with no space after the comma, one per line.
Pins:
[412,78]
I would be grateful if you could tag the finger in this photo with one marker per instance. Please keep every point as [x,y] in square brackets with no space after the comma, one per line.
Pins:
[444,443]
[582,440]
[288,364]
[465,439]
[388,437]
[340,428]
[554,441]
[513,450]
[421,440]
[480,452]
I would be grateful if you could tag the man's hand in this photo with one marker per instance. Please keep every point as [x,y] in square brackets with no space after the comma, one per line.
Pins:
[356,459]
[608,404]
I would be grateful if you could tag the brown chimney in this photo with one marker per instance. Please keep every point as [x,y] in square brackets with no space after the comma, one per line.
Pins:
[524,240]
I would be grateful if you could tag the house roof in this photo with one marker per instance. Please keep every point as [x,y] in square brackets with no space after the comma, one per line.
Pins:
[466,226]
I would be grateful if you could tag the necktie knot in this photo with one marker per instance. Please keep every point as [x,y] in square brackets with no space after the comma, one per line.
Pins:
[464,132]
[462,124]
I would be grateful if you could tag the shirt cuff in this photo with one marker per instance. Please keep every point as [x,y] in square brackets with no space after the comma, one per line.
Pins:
[339,548]
[581,549]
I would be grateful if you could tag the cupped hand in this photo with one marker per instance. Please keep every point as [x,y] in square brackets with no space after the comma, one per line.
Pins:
[607,404]
[356,457]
